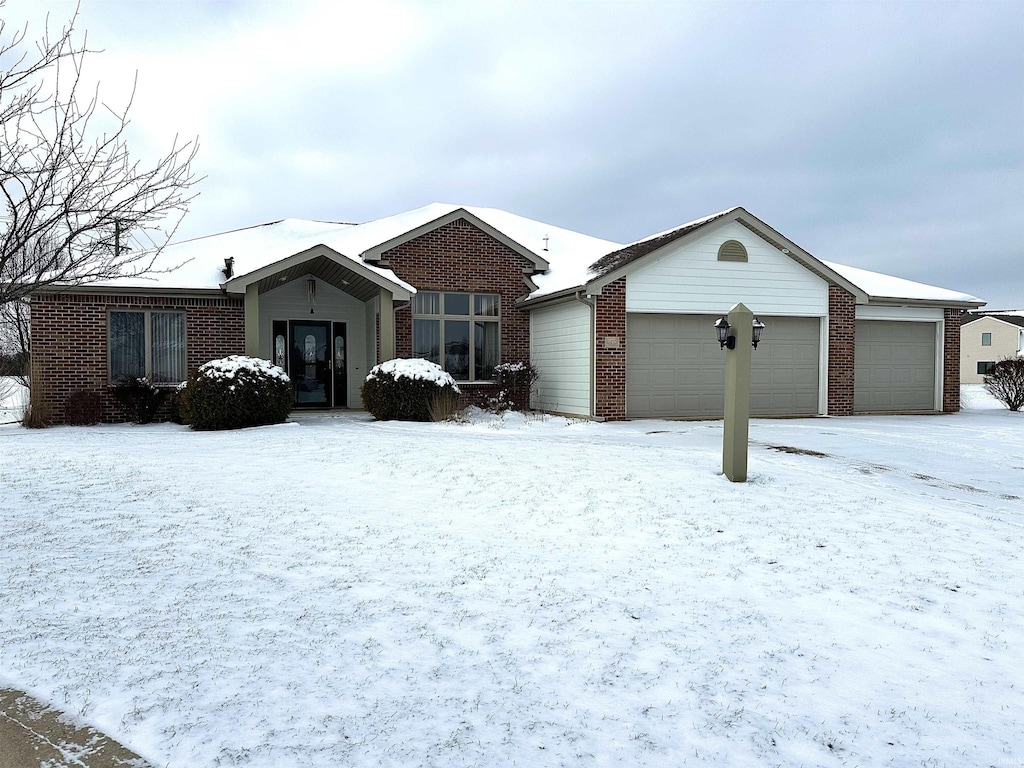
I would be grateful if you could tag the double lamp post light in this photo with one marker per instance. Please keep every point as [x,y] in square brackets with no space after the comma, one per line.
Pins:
[739,332]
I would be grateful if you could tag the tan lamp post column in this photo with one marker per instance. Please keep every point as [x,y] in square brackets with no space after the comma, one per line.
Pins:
[737,394]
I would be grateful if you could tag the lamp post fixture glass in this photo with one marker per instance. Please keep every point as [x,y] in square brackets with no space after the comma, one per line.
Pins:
[722,331]
[756,329]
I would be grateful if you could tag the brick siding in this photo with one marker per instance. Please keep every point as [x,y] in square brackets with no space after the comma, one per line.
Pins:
[69,341]
[610,362]
[842,325]
[458,256]
[951,361]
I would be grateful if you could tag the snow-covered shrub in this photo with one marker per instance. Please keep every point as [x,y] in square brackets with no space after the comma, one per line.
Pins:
[138,398]
[407,389]
[515,382]
[1005,382]
[83,407]
[235,392]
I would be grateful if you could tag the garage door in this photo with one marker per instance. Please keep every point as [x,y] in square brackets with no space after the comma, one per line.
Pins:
[894,366]
[675,367]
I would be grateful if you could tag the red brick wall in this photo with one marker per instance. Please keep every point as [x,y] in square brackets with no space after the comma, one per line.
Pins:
[69,340]
[841,334]
[610,362]
[951,361]
[460,257]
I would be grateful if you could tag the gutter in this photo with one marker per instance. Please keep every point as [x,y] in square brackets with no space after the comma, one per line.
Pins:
[895,301]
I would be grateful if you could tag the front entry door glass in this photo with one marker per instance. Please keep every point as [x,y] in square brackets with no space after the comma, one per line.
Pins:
[310,364]
[340,367]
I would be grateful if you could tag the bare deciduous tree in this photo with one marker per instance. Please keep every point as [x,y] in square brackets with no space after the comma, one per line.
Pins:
[70,189]
[1005,382]
[14,340]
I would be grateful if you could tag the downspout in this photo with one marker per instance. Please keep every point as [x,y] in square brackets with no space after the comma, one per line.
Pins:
[578,296]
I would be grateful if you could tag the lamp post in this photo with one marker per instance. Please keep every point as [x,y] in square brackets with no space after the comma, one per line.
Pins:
[739,332]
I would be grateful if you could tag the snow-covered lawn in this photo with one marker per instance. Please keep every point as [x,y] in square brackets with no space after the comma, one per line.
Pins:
[533,592]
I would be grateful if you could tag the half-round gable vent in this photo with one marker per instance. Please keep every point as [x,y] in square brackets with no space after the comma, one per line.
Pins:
[732,250]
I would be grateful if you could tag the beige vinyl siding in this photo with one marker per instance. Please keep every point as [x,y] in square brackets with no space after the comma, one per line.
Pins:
[1007,340]
[290,302]
[560,348]
[690,278]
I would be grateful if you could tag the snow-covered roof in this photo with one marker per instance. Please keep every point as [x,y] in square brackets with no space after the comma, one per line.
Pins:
[640,248]
[880,286]
[574,259]
[1013,317]
[198,263]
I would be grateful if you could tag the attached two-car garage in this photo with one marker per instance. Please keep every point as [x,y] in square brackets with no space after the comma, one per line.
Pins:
[638,341]
[676,368]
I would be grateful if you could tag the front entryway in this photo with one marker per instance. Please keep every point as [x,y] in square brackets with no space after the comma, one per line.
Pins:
[316,361]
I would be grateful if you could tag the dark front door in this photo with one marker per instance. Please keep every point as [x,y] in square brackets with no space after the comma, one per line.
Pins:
[309,364]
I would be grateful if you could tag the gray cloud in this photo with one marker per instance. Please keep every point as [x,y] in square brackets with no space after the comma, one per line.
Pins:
[882,135]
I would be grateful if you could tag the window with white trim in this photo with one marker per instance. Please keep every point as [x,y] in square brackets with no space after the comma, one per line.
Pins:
[461,332]
[146,343]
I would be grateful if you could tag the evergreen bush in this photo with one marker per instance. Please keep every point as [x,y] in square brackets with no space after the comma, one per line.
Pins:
[235,392]
[138,398]
[83,407]
[407,390]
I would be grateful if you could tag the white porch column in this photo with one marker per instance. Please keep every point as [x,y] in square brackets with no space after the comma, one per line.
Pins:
[387,325]
[252,320]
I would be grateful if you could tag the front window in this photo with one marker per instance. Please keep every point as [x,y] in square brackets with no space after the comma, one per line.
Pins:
[149,344]
[986,339]
[985,367]
[458,331]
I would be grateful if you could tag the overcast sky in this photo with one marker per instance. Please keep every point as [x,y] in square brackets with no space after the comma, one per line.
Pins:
[885,135]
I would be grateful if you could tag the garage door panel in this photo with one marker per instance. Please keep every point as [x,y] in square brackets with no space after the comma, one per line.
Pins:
[894,366]
[681,371]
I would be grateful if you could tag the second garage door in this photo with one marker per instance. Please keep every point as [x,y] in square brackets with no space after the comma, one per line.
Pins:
[674,367]
[894,366]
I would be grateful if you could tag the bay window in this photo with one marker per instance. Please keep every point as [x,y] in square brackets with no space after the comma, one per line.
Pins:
[458,331]
[148,344]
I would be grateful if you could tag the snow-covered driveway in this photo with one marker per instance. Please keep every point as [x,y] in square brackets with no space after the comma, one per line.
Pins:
[523,592]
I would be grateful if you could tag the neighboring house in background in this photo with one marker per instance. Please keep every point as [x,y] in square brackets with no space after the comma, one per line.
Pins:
[986,338]
[617,331]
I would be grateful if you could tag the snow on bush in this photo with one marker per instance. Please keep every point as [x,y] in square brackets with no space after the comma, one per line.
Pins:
[515,382]
[408,390]
[235,392]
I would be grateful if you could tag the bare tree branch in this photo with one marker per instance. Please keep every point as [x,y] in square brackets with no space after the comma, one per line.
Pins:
[67,186]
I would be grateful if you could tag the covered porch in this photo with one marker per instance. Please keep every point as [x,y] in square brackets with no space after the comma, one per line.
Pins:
[324,318]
